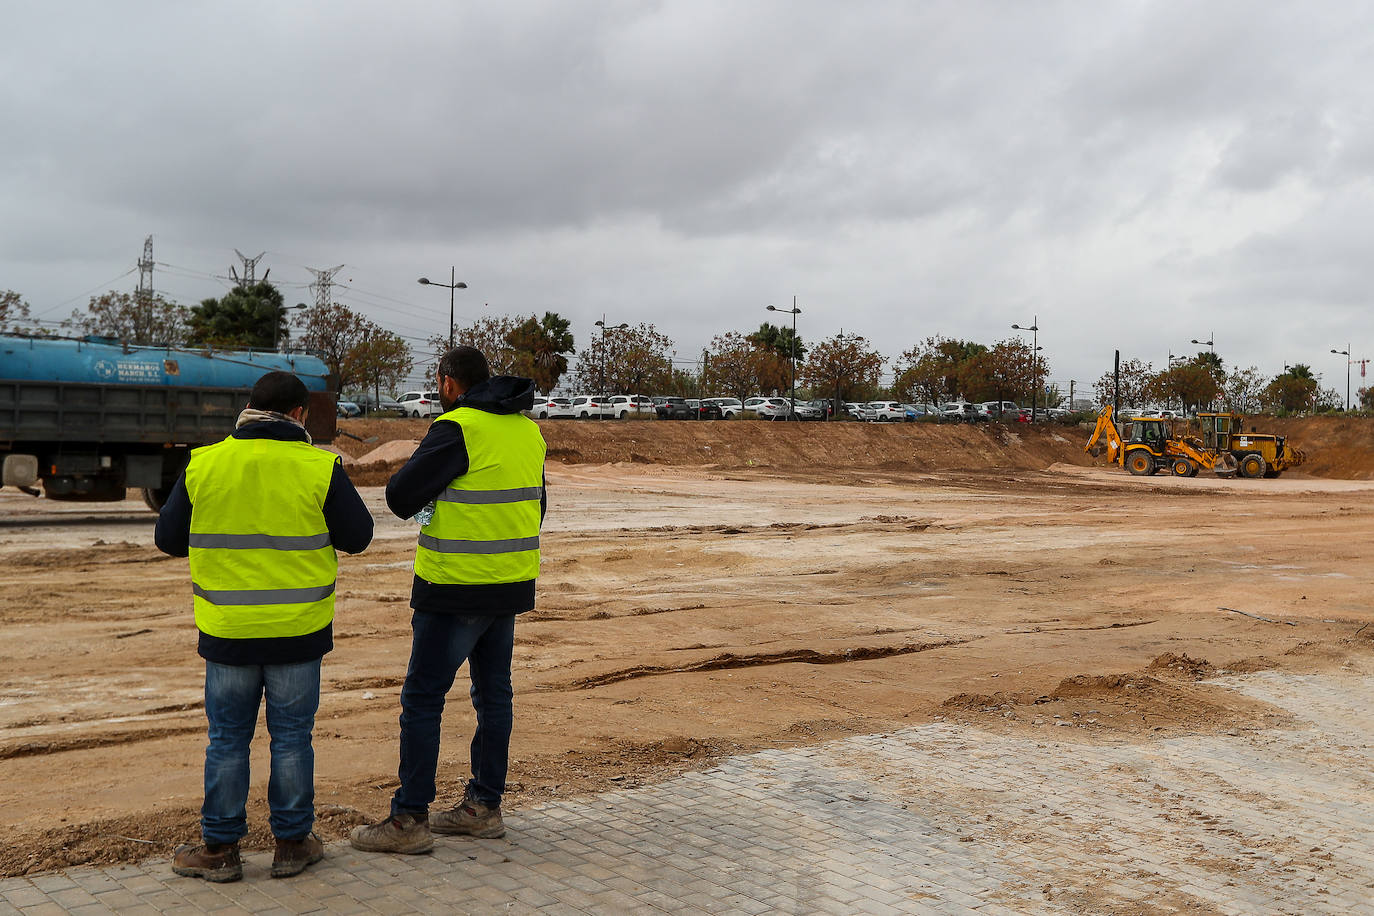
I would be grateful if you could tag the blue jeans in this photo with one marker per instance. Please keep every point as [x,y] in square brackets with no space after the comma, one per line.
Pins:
[233,694]
[441,643]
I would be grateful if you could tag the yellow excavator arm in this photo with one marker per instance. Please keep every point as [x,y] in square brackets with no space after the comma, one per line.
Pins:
[1105,438]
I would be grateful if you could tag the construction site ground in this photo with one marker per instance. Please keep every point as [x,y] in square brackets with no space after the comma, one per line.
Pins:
[971,622]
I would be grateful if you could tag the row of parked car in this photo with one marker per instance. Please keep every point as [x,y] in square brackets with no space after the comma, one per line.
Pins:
[420,404]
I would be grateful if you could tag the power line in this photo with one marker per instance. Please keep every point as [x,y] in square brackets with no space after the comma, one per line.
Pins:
[88,292]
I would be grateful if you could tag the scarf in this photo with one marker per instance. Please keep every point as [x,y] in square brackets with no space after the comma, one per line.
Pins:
[253,415]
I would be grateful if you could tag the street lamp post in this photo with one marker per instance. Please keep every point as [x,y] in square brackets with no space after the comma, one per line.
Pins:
[604,328]
[1035,349]
[792,377]
[1210,343]
[451,285]
[1346,354]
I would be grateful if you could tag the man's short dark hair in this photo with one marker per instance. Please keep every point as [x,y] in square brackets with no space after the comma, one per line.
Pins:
[465,365]
[279,391]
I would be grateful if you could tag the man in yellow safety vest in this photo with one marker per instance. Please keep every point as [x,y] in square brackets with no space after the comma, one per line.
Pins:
[476,484]
[261,515]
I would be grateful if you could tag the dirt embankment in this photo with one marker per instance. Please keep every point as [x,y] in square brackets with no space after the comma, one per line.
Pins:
[756,444]
[1338,447]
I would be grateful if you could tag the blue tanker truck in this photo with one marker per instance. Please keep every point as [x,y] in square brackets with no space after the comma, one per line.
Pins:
[91,418]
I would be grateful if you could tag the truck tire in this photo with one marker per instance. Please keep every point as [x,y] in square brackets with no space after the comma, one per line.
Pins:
[155,499]
[1182,467]
[1140,463]
[1253,465]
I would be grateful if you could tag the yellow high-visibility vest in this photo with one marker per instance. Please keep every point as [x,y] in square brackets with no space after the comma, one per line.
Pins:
[262,563]
[485,529]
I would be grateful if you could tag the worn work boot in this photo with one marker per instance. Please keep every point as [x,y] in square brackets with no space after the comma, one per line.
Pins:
[218,862]
[295,856]
[470,818]
[404,833]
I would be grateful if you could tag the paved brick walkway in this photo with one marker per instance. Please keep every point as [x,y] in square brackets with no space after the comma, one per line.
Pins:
[935,819]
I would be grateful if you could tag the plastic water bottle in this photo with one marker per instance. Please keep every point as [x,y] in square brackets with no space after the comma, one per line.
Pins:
[425,515]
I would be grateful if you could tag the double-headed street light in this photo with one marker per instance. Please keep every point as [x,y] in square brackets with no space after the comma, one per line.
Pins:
[792,378]
[1035,350]
[1210,342]
[604,328]
[451,285]
[1346,354]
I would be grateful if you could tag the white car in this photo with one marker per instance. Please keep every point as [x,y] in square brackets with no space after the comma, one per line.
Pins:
[621,406]
[590,406]
[728,406]
[882,412]
[767,408]
[420,404]
[551,409]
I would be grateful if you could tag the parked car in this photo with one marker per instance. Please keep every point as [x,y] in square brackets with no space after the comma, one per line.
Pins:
[420,404]
[590,407]
[621,406]
[803,410]
[675,409]
[728,406]
[383,405]
[708,409]
[825,406]
[882,412]
[853,410]
[960,412]
[348,409]
[551,409]
[767,408]
[913,412]
[997,410]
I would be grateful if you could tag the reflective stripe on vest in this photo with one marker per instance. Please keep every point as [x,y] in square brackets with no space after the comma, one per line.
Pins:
[262,563]
[485,528]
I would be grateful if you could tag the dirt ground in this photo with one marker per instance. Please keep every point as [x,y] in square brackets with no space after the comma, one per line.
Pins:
[709,588]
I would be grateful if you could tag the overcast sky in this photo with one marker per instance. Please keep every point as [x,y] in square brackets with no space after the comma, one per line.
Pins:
[1132,174]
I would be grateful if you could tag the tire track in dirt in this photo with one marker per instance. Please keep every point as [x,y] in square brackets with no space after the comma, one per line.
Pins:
[86,742]
[790,656]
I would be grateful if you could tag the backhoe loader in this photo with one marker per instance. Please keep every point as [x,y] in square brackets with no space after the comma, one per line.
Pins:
[1149,447]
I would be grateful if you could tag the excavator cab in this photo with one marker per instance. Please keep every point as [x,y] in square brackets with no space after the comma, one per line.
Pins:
[1151,432]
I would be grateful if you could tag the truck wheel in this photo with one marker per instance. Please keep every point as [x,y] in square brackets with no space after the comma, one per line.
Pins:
[1182,467]
[155,499]
[1253,465]
[1140,463]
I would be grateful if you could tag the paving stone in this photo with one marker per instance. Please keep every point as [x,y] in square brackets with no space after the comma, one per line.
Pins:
[939,818]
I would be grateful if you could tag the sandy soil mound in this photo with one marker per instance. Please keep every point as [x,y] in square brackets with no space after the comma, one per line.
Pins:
[1183,666]
[1337,447]
[1341,447]
[1114,705]
[756,444]
[392,451]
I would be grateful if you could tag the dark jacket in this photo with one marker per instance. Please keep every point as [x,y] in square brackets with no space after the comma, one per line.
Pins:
[442,457]
[350,529]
